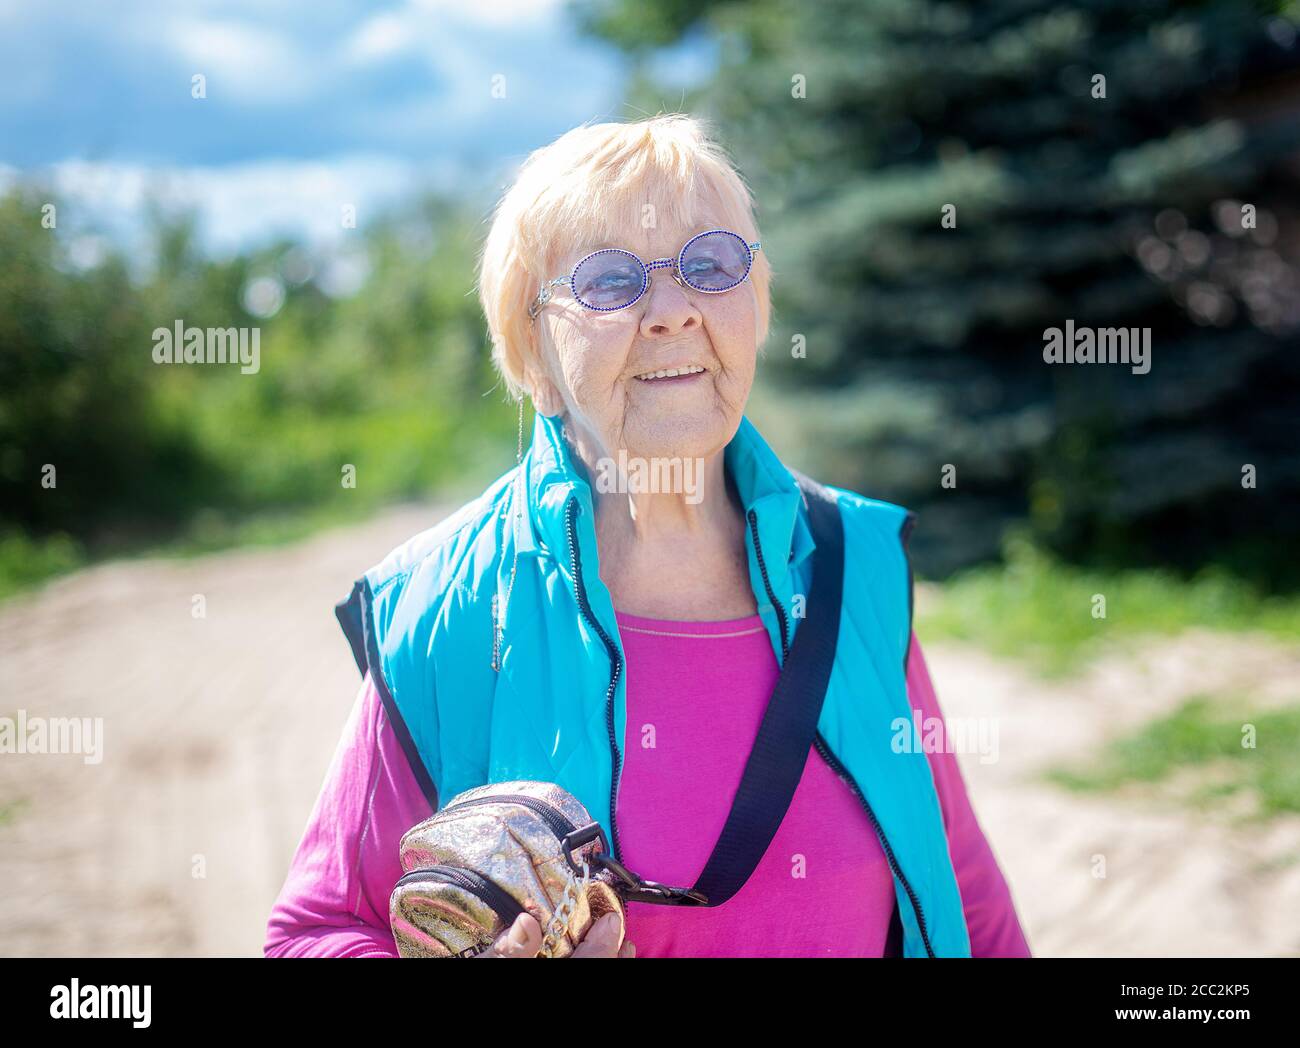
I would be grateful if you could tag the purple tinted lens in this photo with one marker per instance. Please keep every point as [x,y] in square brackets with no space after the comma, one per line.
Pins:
[609,279]
[716,261]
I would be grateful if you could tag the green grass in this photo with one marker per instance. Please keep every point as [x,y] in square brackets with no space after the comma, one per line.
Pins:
[213,532]
[26,562]
[11,809]
[390,469]
[1041,610]
[1204,734]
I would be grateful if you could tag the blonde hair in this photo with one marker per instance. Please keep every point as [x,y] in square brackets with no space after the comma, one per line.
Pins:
[588,185]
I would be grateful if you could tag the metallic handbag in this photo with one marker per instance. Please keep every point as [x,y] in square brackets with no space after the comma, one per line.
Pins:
[471,869]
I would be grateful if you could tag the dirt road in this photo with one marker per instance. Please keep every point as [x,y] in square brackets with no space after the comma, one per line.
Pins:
[217,730]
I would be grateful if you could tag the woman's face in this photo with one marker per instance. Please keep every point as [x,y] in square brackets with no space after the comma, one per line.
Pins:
[595,367]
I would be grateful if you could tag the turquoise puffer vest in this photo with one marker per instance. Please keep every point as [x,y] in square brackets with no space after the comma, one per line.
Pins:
[544,697]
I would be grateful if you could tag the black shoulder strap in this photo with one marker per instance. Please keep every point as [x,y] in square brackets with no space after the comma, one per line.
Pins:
[780,751]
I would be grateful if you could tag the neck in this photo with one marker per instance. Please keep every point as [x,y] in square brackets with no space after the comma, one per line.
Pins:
[664,500]
[671,533]
[655,497]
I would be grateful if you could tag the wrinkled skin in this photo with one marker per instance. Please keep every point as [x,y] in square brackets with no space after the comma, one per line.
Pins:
[585,369]
[524,939]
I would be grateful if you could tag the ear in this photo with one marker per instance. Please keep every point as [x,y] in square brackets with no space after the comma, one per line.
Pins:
[546,398]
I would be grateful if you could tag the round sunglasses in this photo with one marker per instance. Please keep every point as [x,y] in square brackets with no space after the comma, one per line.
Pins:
[611,278]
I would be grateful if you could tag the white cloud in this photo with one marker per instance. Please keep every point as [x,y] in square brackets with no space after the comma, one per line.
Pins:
[245,204]
[381,37]
[437,27]
[410,81]
[512,13]
[244,60]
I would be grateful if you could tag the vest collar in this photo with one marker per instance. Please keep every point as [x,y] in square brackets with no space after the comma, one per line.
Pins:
[551,476]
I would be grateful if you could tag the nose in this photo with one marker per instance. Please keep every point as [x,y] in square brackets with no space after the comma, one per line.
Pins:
[668,309]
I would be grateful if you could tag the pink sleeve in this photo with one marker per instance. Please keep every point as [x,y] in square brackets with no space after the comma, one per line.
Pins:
[990,914]
[334,902]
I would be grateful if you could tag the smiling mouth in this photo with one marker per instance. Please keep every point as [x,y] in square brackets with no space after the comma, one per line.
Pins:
[670,373]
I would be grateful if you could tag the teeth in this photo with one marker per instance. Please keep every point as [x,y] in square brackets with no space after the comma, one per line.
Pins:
[693,369]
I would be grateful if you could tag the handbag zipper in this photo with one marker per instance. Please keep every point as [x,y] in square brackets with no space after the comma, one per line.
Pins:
[505,905]
[615,671]
[553,817]
[631,886]
[829,757]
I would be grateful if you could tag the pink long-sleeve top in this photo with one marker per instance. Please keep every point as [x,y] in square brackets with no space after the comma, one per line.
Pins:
[696,692]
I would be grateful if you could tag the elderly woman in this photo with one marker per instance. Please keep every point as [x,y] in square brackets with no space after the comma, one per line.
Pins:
[613,614]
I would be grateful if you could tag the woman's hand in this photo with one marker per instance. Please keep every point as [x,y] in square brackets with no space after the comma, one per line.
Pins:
[524,939]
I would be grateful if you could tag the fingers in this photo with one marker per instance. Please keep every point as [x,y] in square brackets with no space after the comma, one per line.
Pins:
[601,939]
[521,939]
[524,939]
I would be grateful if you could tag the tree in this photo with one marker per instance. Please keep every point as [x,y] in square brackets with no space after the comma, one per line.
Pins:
[941,184]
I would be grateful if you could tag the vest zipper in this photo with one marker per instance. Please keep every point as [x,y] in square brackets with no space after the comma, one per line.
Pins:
[615,672]
[829,757]
[767,585]
[843,773]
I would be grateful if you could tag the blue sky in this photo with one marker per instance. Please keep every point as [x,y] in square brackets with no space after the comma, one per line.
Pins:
[309,103]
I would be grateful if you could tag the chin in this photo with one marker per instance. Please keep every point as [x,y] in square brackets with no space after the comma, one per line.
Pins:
[682,436]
